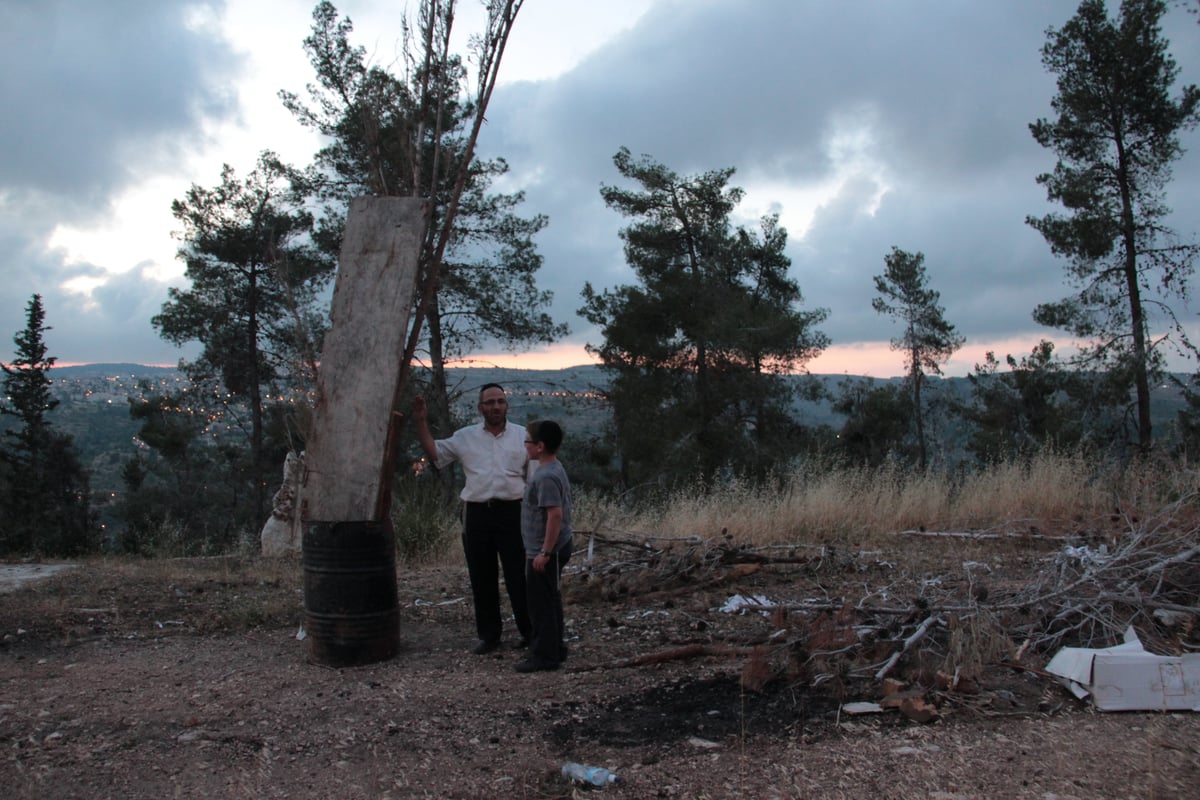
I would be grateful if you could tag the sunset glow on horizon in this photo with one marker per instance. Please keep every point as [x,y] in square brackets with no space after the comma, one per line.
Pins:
[867,359]
[870,359]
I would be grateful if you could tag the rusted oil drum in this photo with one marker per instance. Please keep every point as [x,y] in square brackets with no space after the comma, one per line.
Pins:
[351,612]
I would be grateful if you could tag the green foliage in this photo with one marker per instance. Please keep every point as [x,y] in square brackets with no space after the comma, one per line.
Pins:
[184,494]
[393,136]
[1036,404]
[927,339]
[1115,137]
[696,348]
[27,379]
[425,522]
[1187,419]
[44,495]
[255,277]
[878,422]
[592,458]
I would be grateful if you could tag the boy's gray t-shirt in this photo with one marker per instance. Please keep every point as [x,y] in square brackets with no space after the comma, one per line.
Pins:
[547,488]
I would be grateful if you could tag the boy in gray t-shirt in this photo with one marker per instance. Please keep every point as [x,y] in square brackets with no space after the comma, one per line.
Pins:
[546,531]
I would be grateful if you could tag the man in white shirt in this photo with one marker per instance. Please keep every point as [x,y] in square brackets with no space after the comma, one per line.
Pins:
[495,464]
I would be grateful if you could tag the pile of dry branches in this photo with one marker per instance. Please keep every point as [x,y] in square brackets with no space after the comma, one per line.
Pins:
[954,624]
[1149,578]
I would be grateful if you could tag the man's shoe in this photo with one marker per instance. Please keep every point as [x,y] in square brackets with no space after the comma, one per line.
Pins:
[536,665]
[483,648]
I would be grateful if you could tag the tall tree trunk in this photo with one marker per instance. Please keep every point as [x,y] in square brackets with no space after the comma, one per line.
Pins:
[256,409]
[1137,318]
[916,376]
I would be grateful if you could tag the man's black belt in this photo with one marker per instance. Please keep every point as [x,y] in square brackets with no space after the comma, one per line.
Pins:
[493,503]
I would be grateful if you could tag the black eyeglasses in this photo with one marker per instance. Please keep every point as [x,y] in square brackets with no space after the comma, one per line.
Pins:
[530,441]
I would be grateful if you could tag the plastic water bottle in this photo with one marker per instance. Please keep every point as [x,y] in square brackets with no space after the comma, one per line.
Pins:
[596,776]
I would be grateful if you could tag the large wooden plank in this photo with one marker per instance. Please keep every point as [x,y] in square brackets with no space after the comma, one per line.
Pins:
[360,360]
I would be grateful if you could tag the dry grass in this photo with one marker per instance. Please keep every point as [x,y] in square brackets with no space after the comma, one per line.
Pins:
[850,507]
[970,543]
[819,503]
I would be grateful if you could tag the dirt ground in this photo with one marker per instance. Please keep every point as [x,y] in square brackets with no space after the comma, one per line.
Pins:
[139,680]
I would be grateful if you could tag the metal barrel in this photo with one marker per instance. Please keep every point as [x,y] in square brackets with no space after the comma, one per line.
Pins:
[351,612]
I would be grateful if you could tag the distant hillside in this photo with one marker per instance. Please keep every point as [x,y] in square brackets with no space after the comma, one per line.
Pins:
[578,378]
[109,371]
[94,409]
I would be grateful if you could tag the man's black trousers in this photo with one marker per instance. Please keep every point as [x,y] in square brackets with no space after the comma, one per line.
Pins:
[491,535]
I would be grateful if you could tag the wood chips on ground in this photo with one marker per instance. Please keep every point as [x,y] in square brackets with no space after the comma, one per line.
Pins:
[131,680]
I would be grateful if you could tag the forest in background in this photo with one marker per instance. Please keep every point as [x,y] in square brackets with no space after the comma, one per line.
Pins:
[94,406]
[700,351]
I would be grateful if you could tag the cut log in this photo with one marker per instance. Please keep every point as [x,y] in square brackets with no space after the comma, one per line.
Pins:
[345,465]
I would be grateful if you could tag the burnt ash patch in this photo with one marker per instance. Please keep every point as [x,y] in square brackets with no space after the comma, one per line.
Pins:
[713,709]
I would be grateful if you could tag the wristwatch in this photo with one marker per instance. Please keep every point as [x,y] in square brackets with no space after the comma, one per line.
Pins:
[544,553]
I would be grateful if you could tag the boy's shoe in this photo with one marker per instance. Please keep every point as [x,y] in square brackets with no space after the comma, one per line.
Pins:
[534,664]
[483,648]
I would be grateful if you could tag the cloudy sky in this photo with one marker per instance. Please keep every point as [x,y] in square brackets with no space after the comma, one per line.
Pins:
[864,125]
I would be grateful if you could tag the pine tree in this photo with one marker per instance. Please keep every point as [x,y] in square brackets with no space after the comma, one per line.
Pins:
[255,277]
[1115,137]
[696,348]
[45,496]
[927,340]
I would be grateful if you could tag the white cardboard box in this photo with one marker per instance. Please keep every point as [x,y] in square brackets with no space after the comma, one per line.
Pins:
[1127,678]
